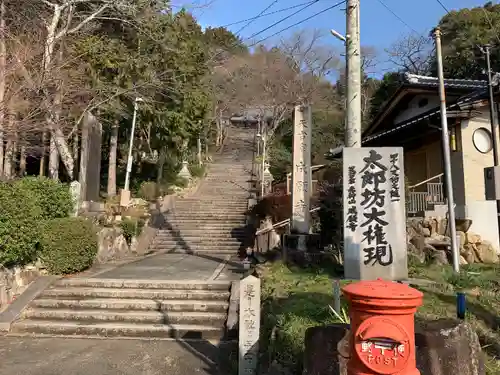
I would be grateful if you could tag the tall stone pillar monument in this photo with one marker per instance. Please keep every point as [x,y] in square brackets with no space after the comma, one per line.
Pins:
[301,172]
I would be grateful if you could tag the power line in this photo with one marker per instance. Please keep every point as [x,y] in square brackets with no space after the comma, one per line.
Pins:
[254,18]
[398,17]
[298,23]
[268,14]
[443,6]
[283,19]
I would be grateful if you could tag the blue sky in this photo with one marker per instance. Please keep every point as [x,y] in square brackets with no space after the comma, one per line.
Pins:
[379,27]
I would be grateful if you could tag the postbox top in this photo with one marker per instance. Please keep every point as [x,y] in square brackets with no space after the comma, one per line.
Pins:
[382,289]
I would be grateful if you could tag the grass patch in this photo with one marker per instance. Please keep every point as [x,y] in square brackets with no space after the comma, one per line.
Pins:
[294,299]
[480,282]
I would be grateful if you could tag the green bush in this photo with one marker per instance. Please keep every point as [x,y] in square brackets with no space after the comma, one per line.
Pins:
[197,170]
[148,191]
[68,245]
[182,182]
[131,228]
[53,197]
[20,216]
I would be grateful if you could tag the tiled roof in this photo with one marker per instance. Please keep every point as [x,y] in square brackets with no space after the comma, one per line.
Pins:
[414,79]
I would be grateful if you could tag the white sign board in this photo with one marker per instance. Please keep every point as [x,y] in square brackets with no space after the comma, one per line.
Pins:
[249,325]
[301,172]
[374,214]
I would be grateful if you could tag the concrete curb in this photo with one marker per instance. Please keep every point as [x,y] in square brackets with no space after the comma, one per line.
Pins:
[232,313]
[14,310]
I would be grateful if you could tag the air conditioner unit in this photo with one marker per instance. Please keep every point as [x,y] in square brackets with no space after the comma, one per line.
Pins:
[492,183]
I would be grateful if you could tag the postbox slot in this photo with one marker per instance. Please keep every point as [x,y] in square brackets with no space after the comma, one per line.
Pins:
[383,343]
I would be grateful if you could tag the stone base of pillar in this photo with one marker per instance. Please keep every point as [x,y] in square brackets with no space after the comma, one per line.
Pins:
[302,242]
[300,247]
[184,172]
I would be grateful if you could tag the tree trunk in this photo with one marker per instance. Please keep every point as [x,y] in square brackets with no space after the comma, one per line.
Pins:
[7,166]
[55,132]
[53,160]
[75,144]
[198,144]
[3,53]
[113,149]
[162,157]
[22,157]
[54,153]
[41,173]
[84,157]
[10,149]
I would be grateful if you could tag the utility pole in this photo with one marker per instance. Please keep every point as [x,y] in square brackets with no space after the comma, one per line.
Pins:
[353,79]
[486,51]
[446,154]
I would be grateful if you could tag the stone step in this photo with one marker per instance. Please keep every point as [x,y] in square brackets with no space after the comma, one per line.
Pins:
[71,328]
[220,205]
[207,215]
[208,252]
[219,213]
[161,294]
[206,241]
[213,200]
[144,284]
[208,220]
[132,304]
[195,234]
[216,209]
[181,226]
[147,317]
[161,246]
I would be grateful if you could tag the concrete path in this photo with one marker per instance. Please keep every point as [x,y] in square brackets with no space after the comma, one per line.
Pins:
[167,267]
[60,356]
[175,267]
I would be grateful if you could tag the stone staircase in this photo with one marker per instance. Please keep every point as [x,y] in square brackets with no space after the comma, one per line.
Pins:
[213,220]
[142,304]
[128,308]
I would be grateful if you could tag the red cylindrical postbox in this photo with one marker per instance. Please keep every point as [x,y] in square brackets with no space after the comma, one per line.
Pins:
[382,317]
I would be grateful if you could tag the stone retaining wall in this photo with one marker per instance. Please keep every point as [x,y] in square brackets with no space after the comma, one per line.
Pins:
[13,281]
[428,243]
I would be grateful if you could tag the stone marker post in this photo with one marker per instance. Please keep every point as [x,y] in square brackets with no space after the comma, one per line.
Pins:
[184,172]
[374,214]
[301,169]
[249,325]
[75,190]
[267,179]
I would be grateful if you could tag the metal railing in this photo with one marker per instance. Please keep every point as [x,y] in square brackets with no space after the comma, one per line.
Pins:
[420,201]
[268,231]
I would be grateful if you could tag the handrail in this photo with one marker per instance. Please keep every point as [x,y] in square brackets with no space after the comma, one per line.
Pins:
[281,223]
[426,181]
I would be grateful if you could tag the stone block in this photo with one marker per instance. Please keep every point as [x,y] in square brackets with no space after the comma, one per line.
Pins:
[473,238]
[112,245]
[326,350]
[486,253]
[448,347]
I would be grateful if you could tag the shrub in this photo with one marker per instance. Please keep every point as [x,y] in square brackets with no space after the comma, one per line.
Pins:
[20,216]
[148,191]
[277,206]
[197,170]
[53,197]
[68,245]
[131,228]
[331,215]
[182,182]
